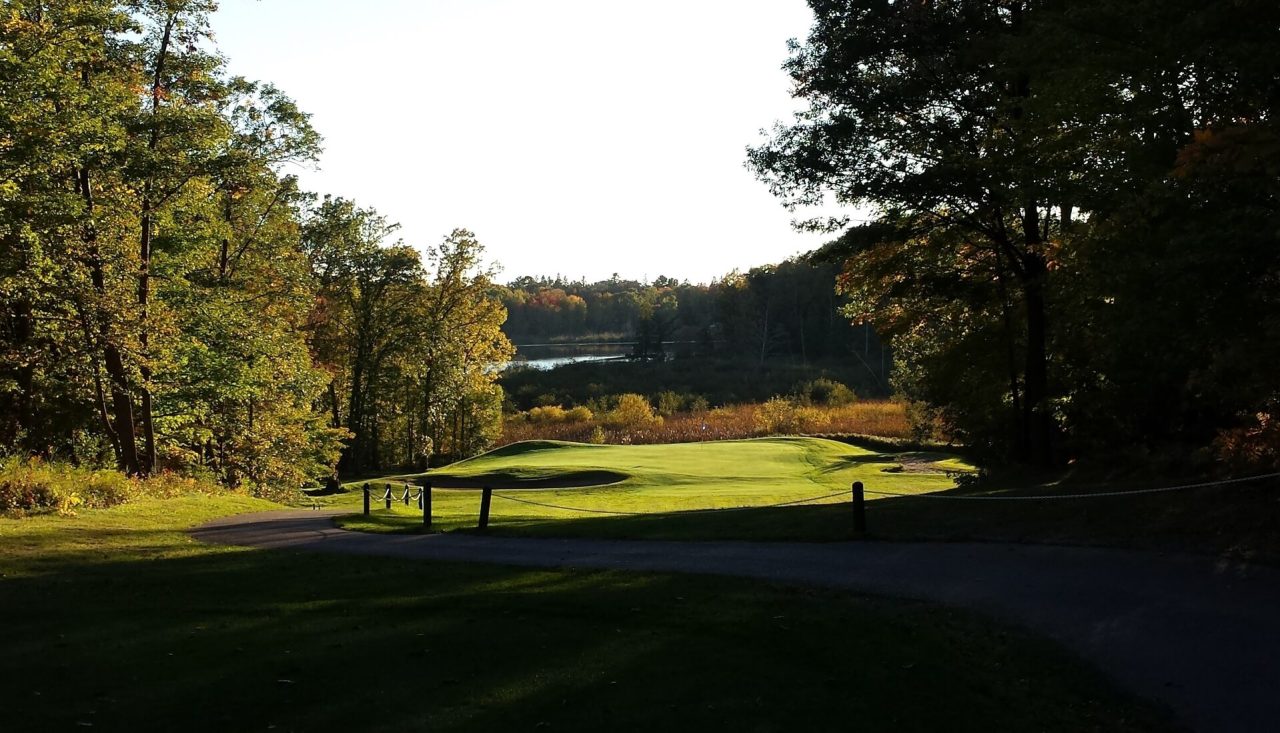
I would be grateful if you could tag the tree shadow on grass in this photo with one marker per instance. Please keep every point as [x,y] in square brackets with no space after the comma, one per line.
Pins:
[247,640]
[1234,522]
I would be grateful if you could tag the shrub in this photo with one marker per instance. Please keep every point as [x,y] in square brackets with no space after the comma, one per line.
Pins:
[781,416]
[579,414]
[1253,447]
[546,414]
[633,411]
[669,403]
[865,417]
[825,392]
[31,485]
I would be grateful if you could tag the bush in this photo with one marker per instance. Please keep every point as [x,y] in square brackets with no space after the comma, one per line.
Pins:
[825,392]
[1254,447]
[632,411]
[863,418]
[781,416]
[32,486]
[669,403]
[546,414]
[579,414]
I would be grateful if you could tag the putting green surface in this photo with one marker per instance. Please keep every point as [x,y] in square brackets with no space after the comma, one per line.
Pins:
[553,488]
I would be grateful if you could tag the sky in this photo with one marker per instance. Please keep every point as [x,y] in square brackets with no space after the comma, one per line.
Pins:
[575,137]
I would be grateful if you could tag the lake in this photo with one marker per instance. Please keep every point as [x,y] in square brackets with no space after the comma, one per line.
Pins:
[550,356]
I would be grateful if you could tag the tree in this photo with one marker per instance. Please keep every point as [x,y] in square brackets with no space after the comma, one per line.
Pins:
[916,110]
[999,145]
[154,288]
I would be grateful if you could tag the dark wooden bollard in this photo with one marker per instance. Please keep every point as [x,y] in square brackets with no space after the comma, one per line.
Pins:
[406,495]
[366,499]
[425,498]
[387,496]
[859,510]
[485,498]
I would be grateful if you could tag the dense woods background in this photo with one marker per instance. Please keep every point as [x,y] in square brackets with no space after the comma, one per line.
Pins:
[788,310]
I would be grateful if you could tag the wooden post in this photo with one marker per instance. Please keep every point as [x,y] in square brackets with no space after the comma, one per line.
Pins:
[387,496]
[485,498]
[366,499]
[859,510]
[426,504]
[406,494]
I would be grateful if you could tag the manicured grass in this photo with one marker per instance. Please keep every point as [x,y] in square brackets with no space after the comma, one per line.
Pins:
[116,618]
[1235,521]
[666,484]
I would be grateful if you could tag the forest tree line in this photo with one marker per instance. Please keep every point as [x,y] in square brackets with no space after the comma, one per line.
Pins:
[790,310]
[170,298]
[1074,211]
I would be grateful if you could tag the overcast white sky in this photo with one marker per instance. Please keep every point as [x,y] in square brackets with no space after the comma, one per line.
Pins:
[575,137]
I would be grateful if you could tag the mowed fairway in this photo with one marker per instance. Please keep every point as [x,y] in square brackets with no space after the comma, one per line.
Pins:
[660,491]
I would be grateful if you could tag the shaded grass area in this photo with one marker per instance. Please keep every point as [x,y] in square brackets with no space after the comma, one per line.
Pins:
[117,619]
[668,485]
[1235,521]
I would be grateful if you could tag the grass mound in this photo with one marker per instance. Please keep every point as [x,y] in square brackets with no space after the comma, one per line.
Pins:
[526,447]
[662,485]
[750,471]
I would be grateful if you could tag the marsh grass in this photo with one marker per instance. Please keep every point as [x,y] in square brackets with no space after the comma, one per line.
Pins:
[880,418]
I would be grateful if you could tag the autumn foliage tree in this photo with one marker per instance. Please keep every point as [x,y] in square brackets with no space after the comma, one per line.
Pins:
[1053,212]
[160,270]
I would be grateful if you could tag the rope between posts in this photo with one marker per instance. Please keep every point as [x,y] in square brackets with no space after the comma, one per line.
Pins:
[677,511]
[1098,495]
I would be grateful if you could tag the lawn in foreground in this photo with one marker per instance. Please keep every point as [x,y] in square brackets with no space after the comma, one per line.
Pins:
[665,485]
[118,619]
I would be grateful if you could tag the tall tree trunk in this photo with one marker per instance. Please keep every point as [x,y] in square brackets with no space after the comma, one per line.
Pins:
[333,405]
[333,483]
[99,392]
[125,432]
[1036,383]
[122,410]
[23,332]
[426,428]
[353,457]
[1015,389]
[148,461]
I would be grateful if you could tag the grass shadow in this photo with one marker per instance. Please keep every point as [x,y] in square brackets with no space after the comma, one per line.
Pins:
[251,640]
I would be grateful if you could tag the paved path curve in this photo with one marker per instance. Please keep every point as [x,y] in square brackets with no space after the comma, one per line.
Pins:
[1199,635]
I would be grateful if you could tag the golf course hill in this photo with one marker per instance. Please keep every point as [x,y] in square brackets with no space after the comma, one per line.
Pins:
[761,468]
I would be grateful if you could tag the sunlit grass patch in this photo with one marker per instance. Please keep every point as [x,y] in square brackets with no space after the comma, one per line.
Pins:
[640,483]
